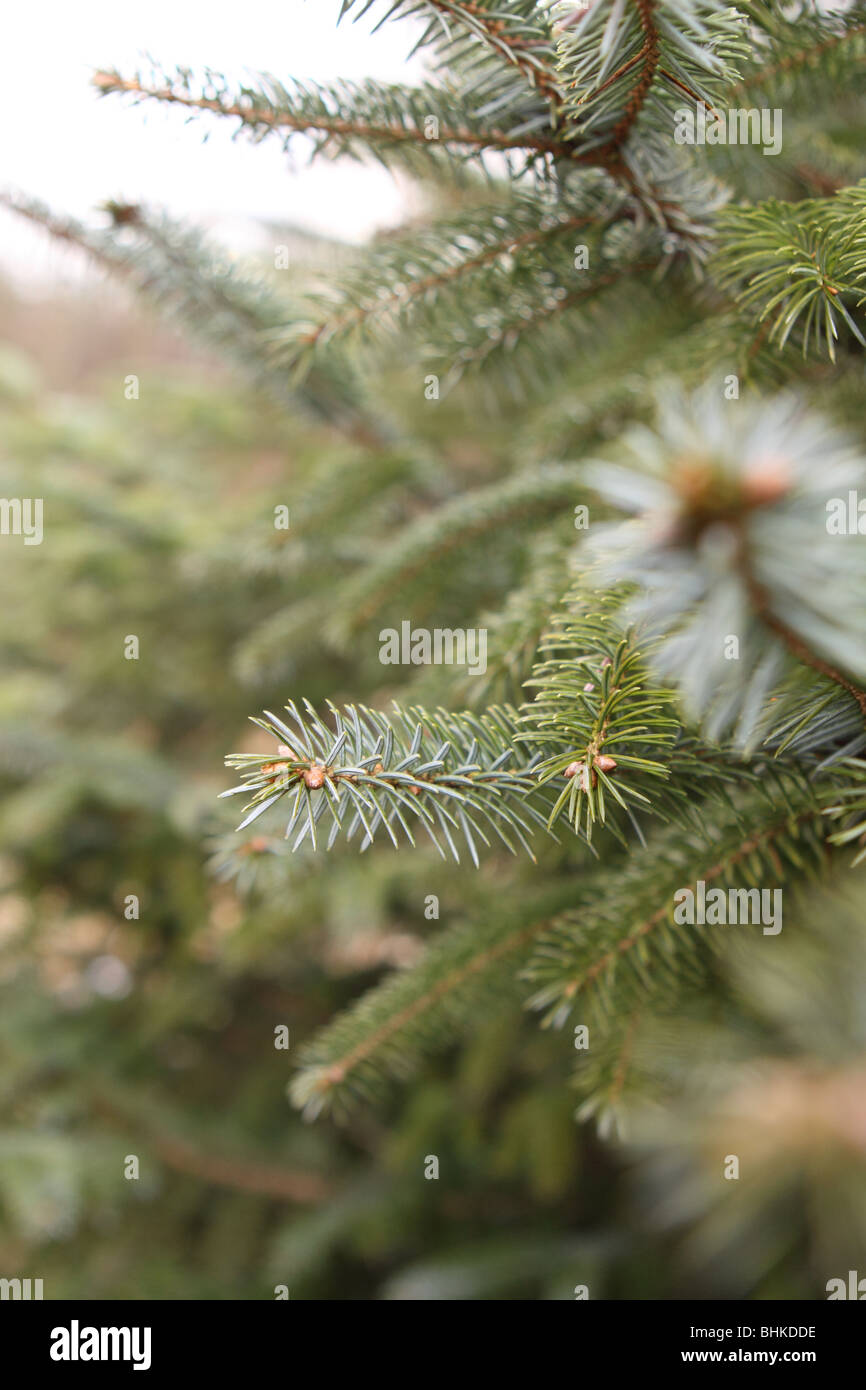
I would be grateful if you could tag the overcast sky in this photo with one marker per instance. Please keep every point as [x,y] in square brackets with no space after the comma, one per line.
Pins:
[73,150]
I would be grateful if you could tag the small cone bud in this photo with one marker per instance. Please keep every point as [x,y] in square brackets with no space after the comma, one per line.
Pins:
[605,763]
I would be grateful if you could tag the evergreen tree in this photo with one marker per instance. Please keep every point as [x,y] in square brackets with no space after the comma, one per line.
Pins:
[645,261]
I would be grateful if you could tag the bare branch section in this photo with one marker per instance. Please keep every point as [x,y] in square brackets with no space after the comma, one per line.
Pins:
[240,1174]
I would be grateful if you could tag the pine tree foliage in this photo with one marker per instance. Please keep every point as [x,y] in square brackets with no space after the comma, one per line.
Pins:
[624,67]
[180,272]
[798,264]
[431,542]
[581,101]
[696,706]
[403,127]
[723,504]
[593,705]
[448,774]
[467,975]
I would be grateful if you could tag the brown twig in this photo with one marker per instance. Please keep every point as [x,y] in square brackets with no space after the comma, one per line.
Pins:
[763,607]
[329,125]
[649,55]
[624,1058]
[240,1174]
[442,278]
[795,60]
[511,46]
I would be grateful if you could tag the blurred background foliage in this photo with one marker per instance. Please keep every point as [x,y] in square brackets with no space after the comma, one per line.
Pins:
[154,1036]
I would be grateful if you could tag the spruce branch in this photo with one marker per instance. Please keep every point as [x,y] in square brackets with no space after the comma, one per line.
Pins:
[420,278]
[239,1173]
[225,306]
[647,61]
[467,974]
[516,31]
[723,496]
[763,606]
[356,119]
[622,66]
[508,341]
[623,946]
[798,266]
[579,949]
[850,810]
[453,775]
[783,49]
[596,708]
[428,544]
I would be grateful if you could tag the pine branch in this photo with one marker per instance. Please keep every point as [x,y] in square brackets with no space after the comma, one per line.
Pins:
[516,328]
[796,265]
[786,48]
[412,126]
[423,280]
[468,973]
[454,775]
[624,66]
[177,269]
[238,1173]
[850,809]
[457,525]
[720,512]
[622,947]
[516,31]
[582,951]
[596,709]
[647,61]
[763,606]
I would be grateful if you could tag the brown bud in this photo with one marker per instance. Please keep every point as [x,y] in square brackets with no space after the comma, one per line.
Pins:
[605,763]
[314,776]
[579,769]
[696,482]
[274,769]
[122,214]
[331,1076]
[767,481]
